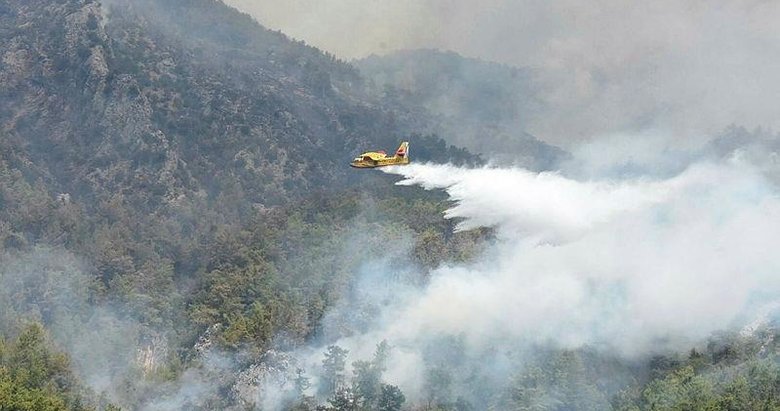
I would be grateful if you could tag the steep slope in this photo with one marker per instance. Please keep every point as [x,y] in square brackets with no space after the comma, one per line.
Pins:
[135,131]
[478,105]
[166,166]
[175,212]
[169,101]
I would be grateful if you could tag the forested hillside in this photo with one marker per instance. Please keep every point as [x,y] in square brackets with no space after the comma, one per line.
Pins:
[177,216]
[181,99]
[169,167]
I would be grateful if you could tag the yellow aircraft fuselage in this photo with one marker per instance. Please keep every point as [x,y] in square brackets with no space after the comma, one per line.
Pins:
[373,159]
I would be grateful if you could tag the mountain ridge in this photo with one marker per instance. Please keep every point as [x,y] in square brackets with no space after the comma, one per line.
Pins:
[480,105]
[283,115]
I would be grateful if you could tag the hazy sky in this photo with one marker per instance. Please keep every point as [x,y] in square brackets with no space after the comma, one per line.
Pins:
[608,65]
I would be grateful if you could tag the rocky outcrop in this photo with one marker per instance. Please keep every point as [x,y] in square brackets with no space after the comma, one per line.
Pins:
[268,383]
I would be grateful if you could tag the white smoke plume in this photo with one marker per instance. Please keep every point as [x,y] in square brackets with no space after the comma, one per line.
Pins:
[624,264]
[633,267]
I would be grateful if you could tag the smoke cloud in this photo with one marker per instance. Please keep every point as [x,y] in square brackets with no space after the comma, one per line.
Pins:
[627,265]
[633,266]
[604,66]
[622,264]
[53,287]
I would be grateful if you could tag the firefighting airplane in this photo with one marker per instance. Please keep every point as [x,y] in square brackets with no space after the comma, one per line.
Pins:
[379,158]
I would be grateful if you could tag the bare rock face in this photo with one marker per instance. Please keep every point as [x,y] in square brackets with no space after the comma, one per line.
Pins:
[206,341]
[17,62]
[268,384]
[152,354]
[85,36]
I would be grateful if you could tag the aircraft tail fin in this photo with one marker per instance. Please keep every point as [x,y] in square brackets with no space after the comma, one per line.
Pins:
[403,150]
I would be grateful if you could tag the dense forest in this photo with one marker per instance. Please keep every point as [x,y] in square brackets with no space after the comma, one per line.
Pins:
[177,217]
